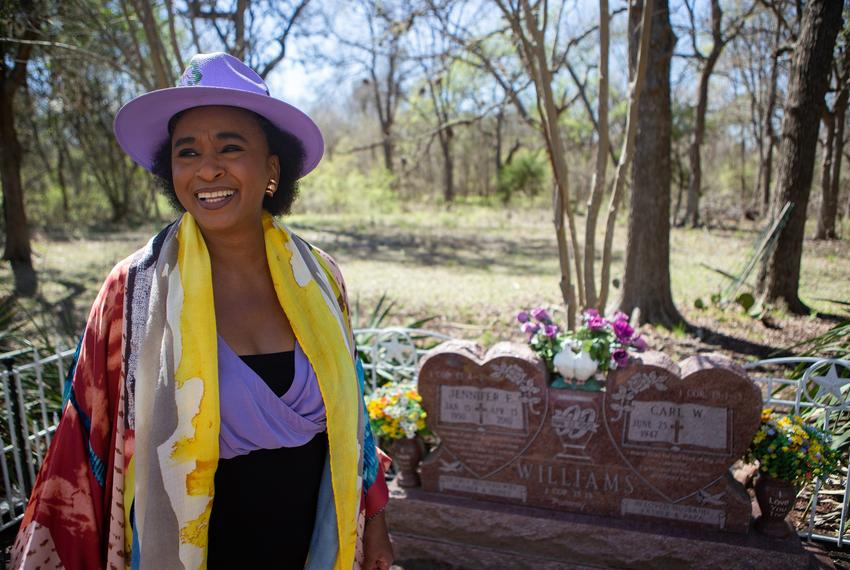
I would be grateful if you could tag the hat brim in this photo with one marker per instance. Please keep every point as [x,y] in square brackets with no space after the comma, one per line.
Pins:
[141,125]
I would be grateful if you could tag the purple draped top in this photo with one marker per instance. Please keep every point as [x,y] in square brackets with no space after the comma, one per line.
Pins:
[254,417]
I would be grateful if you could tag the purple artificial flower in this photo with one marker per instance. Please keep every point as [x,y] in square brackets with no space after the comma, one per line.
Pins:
[522,316]
[621,357]
[550,330]
[623,331]
[541,315]
[638,343]
[530,328]
[621,316]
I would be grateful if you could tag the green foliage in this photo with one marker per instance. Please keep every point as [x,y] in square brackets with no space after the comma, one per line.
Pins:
[834,343]
[340,185]
[9,322]
[746,301]
[376,319]
[524,175]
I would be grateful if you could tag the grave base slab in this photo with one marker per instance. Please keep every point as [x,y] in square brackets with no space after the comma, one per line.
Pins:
[431,530]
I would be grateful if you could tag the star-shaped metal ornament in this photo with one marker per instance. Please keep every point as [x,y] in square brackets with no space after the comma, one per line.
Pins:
[397,351]
[831,383]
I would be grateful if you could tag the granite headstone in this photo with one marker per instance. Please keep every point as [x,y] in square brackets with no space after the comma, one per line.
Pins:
[656,444]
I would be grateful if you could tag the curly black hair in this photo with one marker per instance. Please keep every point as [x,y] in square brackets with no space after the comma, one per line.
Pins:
[286,147]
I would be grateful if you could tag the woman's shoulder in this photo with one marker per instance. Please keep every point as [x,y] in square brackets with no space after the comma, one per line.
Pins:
[116,280]
[325,259]
[331,267]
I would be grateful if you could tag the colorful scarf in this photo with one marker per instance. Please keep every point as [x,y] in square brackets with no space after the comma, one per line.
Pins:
[155,464]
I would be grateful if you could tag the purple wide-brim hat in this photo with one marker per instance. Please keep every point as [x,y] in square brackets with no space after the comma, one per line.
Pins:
[141,125]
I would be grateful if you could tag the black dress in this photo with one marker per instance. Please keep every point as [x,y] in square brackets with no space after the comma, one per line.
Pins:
[265,502]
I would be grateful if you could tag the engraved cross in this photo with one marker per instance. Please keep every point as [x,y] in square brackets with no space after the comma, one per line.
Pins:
[677,427]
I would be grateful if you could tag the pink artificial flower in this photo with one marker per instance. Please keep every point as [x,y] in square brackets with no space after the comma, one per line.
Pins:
[530,328]
[541,315]
[522,316]
[621,316]
[550,330]
[589,313]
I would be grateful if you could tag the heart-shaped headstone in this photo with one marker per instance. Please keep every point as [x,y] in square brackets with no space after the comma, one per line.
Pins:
[485,408]
[680,428]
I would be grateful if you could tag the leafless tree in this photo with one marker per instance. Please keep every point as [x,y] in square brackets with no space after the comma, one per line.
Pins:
[541,60]
[246,28]
[373,37]
[721,34]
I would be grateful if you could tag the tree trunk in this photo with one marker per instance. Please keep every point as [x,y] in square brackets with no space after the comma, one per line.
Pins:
[557,155]
[500,121]
[838,156]
[767,163]
[387,144]
[18,251]
[532,50]
[826,186]
[829,204]
[646,281]
[161,65]
[448,166]
[598,189]
[637,72]
[680,184]
[779,277]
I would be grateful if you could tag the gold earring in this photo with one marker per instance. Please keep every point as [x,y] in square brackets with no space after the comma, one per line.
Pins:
[271,187]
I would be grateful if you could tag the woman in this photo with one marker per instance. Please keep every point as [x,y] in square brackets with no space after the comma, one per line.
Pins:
[214,416]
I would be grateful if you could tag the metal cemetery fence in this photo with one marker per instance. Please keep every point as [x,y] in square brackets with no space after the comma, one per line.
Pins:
[815,394]
[31,399]
[32,385]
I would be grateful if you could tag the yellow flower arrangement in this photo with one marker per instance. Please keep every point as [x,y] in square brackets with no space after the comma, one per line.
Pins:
[395,411]
[787,448]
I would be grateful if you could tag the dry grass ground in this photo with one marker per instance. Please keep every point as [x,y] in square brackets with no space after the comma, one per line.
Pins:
[471,268]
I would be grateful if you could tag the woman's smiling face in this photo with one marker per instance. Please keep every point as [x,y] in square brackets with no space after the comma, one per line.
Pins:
[221,166]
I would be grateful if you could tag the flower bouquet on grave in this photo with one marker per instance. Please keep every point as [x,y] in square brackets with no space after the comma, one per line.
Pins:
[578,358]
[397,417]
[790,453]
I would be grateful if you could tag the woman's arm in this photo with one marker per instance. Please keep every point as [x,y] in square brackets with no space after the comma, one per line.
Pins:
[377,548]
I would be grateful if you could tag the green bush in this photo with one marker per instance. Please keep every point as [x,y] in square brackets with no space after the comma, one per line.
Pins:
[525,174]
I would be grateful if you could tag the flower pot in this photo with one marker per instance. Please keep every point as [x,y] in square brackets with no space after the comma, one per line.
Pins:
[776,499]
[406,454]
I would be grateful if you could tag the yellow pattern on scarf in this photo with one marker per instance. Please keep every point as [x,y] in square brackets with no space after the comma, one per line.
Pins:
[198,361]
[318,331]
